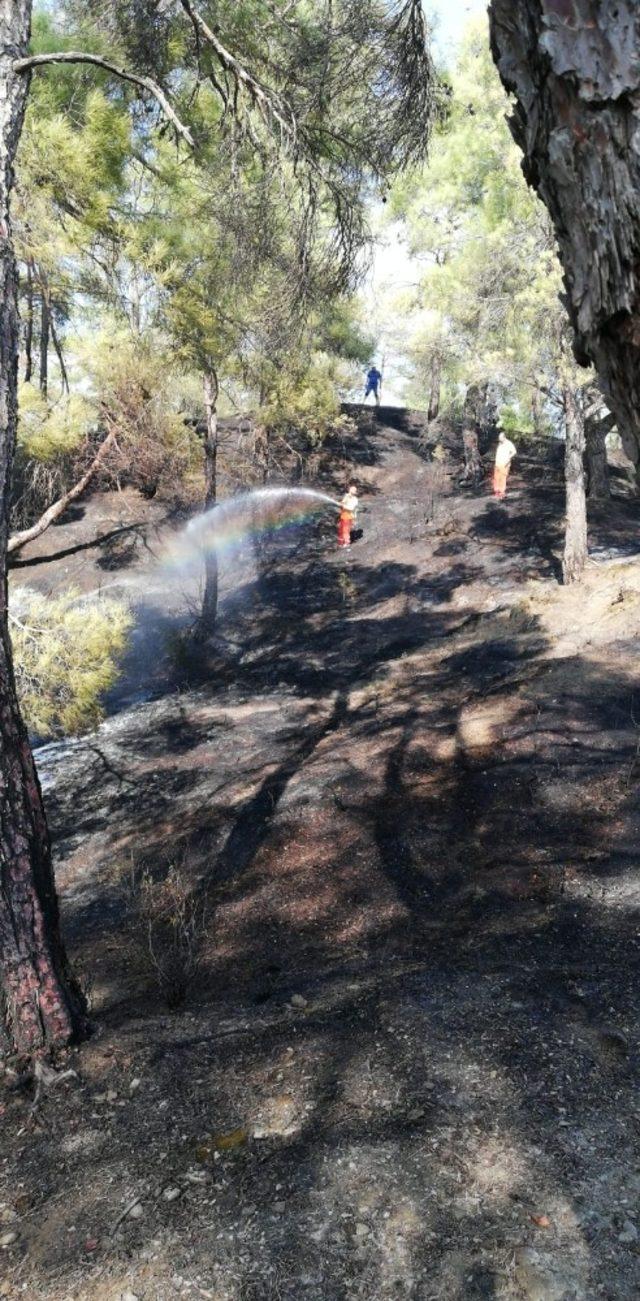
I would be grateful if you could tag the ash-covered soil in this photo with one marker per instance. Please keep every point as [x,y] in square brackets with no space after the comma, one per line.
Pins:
[402,790]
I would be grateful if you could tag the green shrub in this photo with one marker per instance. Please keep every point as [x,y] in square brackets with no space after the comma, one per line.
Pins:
[66,650]
[305,400]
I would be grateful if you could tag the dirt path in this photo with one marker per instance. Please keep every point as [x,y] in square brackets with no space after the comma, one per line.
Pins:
[406,790]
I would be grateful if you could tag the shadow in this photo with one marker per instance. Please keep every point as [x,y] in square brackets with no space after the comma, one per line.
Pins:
[103,540]
[416,832]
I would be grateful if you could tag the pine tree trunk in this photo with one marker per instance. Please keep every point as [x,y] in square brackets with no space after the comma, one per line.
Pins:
[535,412]
[472,463]
[44,344]
[575,539]
[40,1006]
[28,336]
[434,395]
[573,68]
[210,598]
[596,431]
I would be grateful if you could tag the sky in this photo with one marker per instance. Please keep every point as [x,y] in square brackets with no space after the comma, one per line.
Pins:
[393,270]
[451,16]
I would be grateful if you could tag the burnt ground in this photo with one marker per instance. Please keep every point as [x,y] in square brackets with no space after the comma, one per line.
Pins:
[403,791]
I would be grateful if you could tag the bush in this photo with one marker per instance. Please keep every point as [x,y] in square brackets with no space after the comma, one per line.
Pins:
[49,430]
[172,924]
[305,400]
[66,650]
[52,449]
[138,391]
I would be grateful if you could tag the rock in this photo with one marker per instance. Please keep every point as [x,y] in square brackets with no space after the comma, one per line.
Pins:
[134,1085]
[362,1231]
[136,1212]
[629,1232]
[171,1194]
[129,1296]
[297,1000]
[111,1096]
[8,1239]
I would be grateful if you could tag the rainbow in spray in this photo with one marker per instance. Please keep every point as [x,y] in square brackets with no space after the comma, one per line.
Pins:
[257,514]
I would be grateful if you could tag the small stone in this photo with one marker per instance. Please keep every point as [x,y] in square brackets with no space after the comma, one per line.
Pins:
[362,1231]
[629,1232]
[129,1296]
[298,1001]
[136,1212]
[134,1085]
[111,1096]
[171,1194]
[8,1239]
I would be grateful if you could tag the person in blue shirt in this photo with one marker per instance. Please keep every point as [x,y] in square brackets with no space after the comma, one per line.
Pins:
[374,381]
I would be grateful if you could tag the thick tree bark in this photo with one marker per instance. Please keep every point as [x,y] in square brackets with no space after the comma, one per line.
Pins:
[575,540]
[472,463]
[40,1006]
[573,67]
[58,507]
[210,598]
[436,380]
[595,431]
[473,405]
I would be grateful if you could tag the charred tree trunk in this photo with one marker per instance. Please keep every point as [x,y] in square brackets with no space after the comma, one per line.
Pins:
[436,381]
[28,334]
[575,539]
[595,431]
[574,70]
[45,321]
[536,417]
[210,598]
[53,334]
[40,1007]
[472,472]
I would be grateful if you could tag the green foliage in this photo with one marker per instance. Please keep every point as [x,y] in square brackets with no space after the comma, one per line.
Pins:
[514,420]
[304,399]
[489,299]
[66,650]
[49,430]
[137,387]
[238,258]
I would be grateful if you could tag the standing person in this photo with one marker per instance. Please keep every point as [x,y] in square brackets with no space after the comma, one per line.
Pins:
[505,452]
[348,516]
[373,384]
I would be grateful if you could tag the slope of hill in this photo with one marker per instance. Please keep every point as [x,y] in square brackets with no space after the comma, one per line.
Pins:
[404,793]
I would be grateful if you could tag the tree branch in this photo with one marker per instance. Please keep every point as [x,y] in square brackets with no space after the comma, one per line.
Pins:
[58,508]
[267,101]
[147,83]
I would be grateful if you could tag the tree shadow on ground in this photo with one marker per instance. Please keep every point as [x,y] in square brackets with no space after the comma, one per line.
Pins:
[426,846]
[461,1072]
